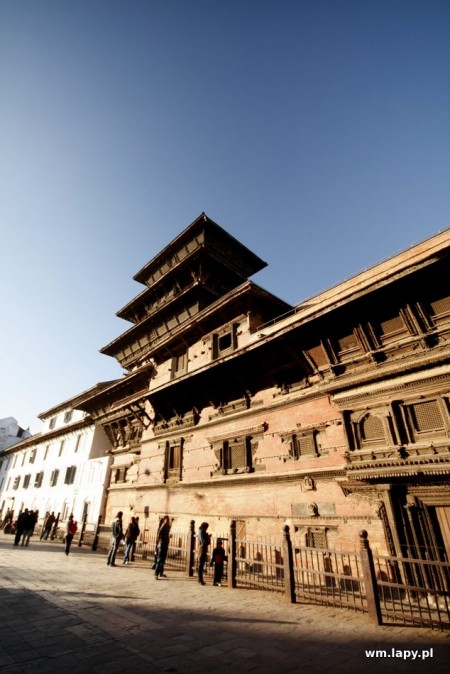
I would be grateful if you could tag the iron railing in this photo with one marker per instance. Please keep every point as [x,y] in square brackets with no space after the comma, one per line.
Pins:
[406,590]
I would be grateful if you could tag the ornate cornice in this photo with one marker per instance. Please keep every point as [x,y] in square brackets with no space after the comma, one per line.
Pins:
[252,478]
[399,387]
[239,433]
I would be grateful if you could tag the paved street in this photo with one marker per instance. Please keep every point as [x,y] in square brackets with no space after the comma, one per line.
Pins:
[76,614]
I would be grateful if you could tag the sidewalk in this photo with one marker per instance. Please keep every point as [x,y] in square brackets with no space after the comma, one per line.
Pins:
[75,614]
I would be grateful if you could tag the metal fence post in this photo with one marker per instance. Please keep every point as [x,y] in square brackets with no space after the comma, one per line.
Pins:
[288,566]
[232,555]
[96,533]
[190,549]
[370,579]
[82,530]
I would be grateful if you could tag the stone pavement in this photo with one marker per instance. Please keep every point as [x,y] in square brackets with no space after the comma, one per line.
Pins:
[75,614]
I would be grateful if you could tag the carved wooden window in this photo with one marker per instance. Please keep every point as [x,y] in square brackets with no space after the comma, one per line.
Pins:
[304,444]
[440,309]
[391,329]
[316,538]
[236,455]
[225,341]
[369,429]
[120,474]
[372,430]
[425,419]
[179,364]
[318,356]
[347,346]
[173,459]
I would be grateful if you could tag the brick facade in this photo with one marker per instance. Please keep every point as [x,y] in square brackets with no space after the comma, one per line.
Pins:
[332,416]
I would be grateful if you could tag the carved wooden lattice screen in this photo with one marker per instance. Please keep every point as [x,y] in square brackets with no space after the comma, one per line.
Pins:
[392,328]
[372,429]
[441,307]
[304,445]
[316,538]
[237,453]
[426,417]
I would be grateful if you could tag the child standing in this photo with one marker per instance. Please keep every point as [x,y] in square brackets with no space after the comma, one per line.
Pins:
[218,557]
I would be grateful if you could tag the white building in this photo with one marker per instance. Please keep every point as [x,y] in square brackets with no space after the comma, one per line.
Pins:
[64,469]
[11,433]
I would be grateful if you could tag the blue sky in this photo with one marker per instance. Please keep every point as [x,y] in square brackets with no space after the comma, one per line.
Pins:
[315,131]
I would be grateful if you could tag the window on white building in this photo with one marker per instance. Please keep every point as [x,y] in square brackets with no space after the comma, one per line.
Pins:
[70,475]
[54,478]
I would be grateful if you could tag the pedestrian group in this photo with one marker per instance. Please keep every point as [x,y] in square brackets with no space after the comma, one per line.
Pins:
[24,526]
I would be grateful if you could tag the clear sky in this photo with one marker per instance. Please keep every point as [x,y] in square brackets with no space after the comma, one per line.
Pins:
[314,131]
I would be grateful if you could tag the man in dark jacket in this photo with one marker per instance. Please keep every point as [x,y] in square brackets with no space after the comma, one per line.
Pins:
[131,535]
[22,524]
[116,537]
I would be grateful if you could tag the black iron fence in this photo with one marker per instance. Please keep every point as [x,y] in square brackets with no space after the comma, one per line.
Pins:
[330,578]
[389,589]
[413,591]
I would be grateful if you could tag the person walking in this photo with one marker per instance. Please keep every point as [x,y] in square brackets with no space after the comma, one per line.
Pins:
[47,526]
[203,543]
[28,526]
[71,530]
[162,543]
[32,523]
[131,535]
[21,524]
[116,537]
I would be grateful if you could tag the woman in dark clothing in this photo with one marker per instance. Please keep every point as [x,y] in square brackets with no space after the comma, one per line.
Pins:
[162,542]
[203,542]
